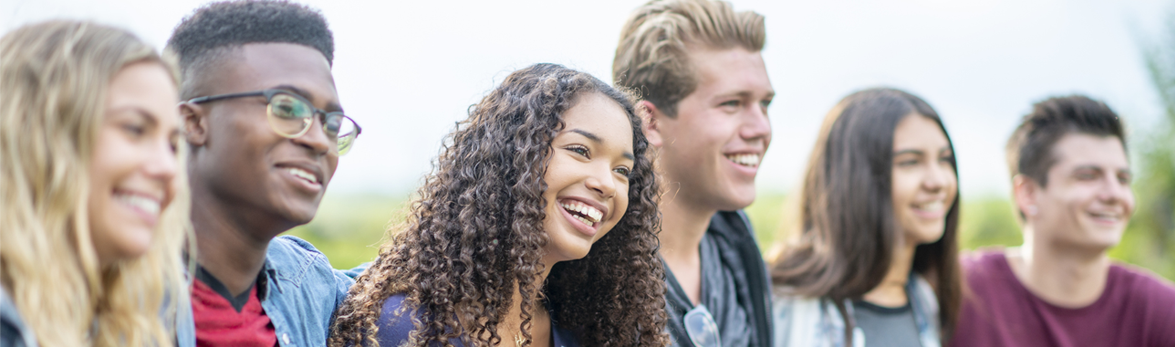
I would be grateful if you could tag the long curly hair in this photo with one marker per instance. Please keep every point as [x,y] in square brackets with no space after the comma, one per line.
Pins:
[55,76]
[476,233]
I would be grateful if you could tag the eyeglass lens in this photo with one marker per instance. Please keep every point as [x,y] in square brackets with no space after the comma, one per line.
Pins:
[291,117]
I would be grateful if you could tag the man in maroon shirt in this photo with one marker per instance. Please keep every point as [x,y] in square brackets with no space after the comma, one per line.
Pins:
[1071,186]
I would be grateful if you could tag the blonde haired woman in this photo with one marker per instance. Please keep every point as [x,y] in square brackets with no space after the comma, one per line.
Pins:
[94,196]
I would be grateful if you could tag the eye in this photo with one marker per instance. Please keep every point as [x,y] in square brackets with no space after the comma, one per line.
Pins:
[1125,178]
[134,129]
[581,150]
[623,171]
[731,103]
[1086,175]
[906,162]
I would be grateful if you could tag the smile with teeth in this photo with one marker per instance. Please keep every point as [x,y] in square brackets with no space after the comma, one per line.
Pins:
[303,174]
[586,214]
[139,202]
[932,206]
[745,159]
[1106,216]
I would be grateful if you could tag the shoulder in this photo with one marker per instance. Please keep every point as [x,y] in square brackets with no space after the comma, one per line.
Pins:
[786,306]
[13,331]
[983,263]
[1143,284]
[296,260]
[396,321]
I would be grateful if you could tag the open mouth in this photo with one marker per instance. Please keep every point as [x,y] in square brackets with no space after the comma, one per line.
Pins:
[303,174]
[590,216]
[929,207]
[148,205]
[745,159]
[1105,217]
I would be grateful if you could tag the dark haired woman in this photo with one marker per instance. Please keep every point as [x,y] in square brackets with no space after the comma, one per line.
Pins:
[874,260]
[536,229]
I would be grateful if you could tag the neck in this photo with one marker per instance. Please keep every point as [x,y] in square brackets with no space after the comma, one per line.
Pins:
[540,328]
[227,247]
[892,290]
[1063,276]
[682,228]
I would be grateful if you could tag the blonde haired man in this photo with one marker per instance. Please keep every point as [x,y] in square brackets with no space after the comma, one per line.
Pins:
[697,64]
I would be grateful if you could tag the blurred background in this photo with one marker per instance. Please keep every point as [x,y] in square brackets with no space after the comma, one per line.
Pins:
[407,71]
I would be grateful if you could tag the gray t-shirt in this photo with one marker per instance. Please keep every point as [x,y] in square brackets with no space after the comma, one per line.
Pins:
[886,326]
[721,297]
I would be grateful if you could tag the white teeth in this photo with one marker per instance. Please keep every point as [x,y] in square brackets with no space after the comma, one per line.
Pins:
[139,202]
[751,160]
[303,174]
[1109,216]
[593,214]
[930,206]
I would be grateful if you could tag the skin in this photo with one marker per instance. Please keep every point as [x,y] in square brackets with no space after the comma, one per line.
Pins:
[1072,221]
[242,191]
[590,162]
[134,157]
[725,116]
[923,191]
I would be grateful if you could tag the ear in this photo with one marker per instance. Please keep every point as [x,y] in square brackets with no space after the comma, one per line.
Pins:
[650,122]
[1024,191]
[195,123]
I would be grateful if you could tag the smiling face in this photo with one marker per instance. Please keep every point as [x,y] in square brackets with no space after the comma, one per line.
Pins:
[923,179]
[134,164]
[587,177]
[240,160]
[1087,202]
[715,143]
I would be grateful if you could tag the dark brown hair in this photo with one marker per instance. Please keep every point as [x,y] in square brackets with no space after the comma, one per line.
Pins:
[848,228]
[652,55]
[1030,149]
[477,231]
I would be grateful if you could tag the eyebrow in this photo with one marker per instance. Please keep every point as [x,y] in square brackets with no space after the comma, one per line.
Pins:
[598,140]
[919,151]
[331,106]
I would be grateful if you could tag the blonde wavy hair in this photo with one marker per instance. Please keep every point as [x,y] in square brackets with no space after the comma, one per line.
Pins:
[54,76]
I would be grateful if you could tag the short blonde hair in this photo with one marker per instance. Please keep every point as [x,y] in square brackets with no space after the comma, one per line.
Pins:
[55,76]
[652,57]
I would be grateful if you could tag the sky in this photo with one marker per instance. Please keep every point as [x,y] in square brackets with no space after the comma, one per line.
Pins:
[406,71]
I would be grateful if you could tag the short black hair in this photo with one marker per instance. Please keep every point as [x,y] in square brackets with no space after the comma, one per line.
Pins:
[229,24]
[1030,149]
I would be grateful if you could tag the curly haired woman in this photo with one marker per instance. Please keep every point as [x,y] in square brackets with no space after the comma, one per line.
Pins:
[538,228]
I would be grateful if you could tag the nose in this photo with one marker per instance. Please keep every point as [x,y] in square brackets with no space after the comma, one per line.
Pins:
[604,185]
[162,162]
[937,176]
[756,125]
[315,138]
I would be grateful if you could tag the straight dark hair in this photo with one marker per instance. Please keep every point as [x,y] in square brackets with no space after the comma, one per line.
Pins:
[848,231]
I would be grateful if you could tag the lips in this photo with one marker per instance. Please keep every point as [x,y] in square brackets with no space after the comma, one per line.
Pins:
[306,175]
[745,159]
[589,215]
[146,205]
[303,174]
[1106,217]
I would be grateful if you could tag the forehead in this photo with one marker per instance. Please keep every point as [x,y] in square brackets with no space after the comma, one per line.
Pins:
[258,66]
[915,130]
[602,116]
[729,70]
[1080,149]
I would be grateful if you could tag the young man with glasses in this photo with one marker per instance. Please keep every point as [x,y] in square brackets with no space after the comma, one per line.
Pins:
[706,92]
[1071,186]
[266,130]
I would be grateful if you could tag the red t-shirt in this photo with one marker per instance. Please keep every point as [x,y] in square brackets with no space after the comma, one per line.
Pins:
[221,323]
[1135,310]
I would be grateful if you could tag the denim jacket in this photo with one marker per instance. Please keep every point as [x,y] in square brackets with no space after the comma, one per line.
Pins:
[302,293]
[13,331]
[804,322]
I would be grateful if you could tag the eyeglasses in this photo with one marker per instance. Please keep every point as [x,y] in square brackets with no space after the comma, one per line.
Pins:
[291,115]
[702,329]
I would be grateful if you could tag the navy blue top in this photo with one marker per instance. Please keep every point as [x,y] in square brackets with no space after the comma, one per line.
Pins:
[393,330]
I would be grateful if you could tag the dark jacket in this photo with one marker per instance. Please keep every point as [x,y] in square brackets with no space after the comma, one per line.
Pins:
[13,331]
[732,233]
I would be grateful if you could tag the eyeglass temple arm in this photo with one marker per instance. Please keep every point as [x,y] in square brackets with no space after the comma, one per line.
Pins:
[224,96]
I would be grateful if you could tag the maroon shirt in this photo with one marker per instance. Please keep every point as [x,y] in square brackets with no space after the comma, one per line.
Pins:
[1134,310]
